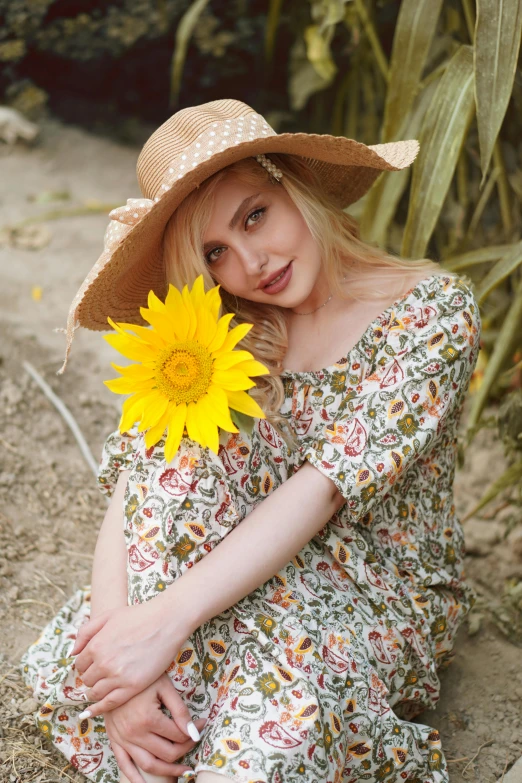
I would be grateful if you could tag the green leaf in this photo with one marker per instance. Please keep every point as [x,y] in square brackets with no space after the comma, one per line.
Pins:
[242,421]
[272,22]
[482,255]
[497,45]
[304,79]
[183,34]
[441,139]
[414,31]
[508,337]
[383,199]
[510,478]
[500,271]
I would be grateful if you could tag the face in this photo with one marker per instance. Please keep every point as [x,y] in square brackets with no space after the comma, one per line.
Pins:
[255,233]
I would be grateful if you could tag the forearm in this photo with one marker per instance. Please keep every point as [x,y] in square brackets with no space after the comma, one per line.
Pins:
[109,570]
[265,541]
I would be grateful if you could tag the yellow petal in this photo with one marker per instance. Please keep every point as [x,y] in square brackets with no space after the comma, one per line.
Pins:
[162,323]
[230,358]
[175,433]
[207,427]
[235,335]
[244,403]
[127,385]
[197,294]
[192,424]
[131,411]
[135,352]
[214,301]
[135,371]
[176,307]
[153,435]
[153,409]
[221,332]
[154,303]
[252,367]
[190,312]
[231,379]
[207,327]
[217,405]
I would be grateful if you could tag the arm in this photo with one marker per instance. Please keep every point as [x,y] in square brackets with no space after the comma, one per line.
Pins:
[109,570]
[253,552]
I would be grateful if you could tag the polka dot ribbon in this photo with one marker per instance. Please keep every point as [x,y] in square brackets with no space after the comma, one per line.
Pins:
[123,219]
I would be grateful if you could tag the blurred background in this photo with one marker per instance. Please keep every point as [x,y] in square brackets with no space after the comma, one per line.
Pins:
[83,83]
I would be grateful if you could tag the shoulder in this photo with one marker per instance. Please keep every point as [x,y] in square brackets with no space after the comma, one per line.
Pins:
[440,301]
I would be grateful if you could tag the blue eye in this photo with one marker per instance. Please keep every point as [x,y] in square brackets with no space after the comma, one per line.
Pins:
[259,210]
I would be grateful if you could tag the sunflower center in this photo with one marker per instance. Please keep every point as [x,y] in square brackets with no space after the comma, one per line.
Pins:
[184,371]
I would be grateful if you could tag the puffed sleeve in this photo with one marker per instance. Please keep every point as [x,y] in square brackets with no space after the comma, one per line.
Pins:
[117,454]
[412,395]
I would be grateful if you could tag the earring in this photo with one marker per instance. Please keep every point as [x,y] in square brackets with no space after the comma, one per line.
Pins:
[269,166]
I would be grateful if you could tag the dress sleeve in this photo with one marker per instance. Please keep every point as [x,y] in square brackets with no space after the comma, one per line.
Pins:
[117,454]
[413,393]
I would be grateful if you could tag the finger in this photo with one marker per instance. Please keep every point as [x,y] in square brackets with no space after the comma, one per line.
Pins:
[178,709]
[149,763]
[115,698]
[83,661]
[91,675]
[126,764]
[87,631]
[161,748]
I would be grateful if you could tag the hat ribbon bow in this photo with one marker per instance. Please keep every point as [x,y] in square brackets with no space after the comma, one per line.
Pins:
[123,220]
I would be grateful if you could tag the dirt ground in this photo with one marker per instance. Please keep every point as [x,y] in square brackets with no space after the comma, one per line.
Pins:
[50,508]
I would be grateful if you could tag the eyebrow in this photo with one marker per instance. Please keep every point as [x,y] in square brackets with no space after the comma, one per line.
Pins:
[237,214]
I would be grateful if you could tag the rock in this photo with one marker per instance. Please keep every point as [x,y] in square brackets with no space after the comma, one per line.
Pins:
[49,547]
[28,706]
[481,536]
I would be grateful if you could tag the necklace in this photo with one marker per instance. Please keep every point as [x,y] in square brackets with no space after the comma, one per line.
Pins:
[316,309]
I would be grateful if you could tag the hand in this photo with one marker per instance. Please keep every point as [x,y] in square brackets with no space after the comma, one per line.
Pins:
[142,735]
[121,652]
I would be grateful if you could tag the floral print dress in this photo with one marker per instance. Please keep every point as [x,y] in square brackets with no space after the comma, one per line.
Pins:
[315,676]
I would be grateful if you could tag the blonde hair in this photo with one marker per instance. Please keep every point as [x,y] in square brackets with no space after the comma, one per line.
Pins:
[342,250]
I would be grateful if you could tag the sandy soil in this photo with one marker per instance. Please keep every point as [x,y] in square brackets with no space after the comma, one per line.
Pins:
[51,510]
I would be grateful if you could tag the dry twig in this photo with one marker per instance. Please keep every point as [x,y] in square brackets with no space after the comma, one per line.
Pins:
[472,759]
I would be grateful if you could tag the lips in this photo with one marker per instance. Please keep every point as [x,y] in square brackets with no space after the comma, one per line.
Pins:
[268,280]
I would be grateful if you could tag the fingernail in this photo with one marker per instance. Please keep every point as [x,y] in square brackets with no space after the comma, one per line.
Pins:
[84,714]
[189,773]
[193,732]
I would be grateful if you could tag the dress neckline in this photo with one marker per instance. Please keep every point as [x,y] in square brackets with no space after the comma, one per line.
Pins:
[371,325]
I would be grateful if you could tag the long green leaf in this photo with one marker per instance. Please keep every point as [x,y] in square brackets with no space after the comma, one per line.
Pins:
[510,478]
[475,257]
[383,198]
[500,271]
[272,23]
[508,337]
[183,34]
[304,79]
[414,31]
[497,44]
[441,139]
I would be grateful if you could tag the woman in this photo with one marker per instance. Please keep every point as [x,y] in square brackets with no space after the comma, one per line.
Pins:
[306,641]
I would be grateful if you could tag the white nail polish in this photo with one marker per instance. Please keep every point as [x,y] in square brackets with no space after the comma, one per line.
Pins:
[189,773]
[193,732]
[86,714]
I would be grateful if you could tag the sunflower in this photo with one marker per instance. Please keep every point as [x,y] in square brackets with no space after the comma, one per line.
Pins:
[188,374]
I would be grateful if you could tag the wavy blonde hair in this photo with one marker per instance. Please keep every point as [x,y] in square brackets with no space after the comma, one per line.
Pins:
[342,250]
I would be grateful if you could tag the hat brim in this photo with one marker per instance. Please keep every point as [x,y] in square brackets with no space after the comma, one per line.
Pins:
[119,283]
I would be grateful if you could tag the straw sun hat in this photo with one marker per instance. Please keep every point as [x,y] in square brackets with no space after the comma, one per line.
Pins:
[188,148]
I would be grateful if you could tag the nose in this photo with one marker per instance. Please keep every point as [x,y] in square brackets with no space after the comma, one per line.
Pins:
[254,260]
